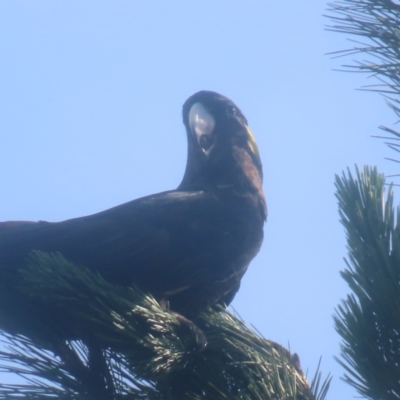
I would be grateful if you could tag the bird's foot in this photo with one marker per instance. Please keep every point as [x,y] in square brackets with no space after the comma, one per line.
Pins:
[201,339]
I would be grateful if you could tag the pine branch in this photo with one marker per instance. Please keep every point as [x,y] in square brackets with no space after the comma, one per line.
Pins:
[368,320]
[118,343]
[377,22]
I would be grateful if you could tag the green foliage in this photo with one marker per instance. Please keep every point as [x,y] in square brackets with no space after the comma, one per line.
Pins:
[368,320]
[376,22]
[96,340]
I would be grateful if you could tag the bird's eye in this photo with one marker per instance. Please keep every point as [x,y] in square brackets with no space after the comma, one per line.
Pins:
[202,125]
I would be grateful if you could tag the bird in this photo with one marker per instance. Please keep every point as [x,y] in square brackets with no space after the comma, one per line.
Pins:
[188,247]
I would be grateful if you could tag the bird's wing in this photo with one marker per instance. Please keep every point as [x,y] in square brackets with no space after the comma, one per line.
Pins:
[163,242]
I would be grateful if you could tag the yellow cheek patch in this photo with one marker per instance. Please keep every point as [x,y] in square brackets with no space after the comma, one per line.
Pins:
[252,143]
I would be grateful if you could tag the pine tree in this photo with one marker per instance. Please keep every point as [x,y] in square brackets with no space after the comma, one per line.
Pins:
[368,319]
[377,23]
[126,346]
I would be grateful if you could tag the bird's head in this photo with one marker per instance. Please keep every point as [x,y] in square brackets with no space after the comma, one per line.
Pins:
[222,152]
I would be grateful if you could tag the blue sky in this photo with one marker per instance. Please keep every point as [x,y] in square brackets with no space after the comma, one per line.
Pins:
[90,117]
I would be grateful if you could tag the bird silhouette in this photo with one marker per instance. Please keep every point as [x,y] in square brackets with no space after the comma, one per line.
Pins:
[188,247]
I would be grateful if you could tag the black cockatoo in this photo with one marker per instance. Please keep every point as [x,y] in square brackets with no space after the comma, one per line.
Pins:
[190,246]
